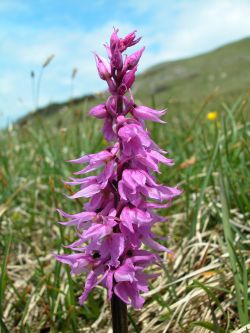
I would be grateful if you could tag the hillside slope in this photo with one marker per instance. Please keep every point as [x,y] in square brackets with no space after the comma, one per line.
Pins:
[226,69]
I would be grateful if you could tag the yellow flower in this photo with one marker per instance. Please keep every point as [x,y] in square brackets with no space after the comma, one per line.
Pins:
[212,115]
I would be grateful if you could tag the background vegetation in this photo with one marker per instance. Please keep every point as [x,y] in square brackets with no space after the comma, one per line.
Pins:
[204,287]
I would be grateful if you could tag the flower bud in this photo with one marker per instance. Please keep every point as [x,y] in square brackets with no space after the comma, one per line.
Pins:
[116,60]
[112,86]
[103,67]
[128,41]
[132,60]
[122,89]
[99,111]
[114,40]
[110,105]
[129,78]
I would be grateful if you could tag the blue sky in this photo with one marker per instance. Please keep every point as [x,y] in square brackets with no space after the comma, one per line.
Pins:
[30,31]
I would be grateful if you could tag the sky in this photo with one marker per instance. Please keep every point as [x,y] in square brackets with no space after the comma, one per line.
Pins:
[71,30]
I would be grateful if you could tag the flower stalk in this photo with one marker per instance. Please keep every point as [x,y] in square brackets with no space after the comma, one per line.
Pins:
[119,315]
[118,307]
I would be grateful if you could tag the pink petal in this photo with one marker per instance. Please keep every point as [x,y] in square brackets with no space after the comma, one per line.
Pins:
[87,192]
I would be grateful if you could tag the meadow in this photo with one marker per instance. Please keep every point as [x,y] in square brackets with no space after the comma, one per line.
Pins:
[204,286]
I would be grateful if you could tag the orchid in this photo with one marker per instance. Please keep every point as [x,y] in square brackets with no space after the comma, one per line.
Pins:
[115,243]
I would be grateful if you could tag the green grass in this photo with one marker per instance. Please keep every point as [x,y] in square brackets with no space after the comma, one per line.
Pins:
[204,287]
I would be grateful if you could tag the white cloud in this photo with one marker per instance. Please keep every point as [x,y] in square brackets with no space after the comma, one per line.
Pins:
[200,26]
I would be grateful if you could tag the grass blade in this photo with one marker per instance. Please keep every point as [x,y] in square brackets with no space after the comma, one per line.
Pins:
[3,273]
[243,314]
[4,329]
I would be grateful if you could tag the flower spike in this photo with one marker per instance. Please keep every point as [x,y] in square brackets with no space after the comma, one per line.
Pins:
[115,243]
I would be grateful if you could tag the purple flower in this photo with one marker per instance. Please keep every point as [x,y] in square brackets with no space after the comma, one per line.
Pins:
[117,220]
[145,113]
